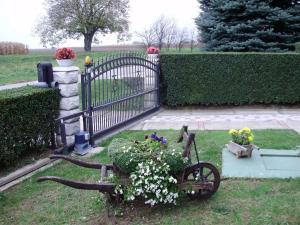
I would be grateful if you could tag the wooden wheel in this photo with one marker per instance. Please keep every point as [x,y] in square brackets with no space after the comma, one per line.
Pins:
[205,175]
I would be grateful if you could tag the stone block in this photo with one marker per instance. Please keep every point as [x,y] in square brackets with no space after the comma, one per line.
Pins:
[64,113]
[66,77]
[70,140]
[69,103]
[71,128]
[68,90]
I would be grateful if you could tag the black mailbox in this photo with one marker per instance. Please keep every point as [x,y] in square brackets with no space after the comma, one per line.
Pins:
[45,72]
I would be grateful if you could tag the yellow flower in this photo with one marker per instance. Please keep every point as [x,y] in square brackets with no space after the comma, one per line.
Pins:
[246,129]
[233,131]
[250,138]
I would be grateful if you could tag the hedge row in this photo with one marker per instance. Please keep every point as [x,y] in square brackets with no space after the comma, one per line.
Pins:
[297,47]
[230,78]
[26,121]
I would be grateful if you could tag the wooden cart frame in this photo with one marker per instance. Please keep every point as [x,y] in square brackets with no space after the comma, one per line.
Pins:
[200,180]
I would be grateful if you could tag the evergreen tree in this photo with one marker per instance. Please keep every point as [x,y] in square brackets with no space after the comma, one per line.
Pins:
[249,25]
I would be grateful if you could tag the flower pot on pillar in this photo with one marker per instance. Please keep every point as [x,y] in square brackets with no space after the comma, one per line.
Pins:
[65,62]
[153,54]
[65,57]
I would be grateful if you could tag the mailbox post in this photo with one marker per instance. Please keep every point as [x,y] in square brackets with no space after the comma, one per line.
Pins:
[45,75]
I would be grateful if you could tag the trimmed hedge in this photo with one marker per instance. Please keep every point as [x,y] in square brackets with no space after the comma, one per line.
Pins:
[26,121]
[230,78]
[297,47]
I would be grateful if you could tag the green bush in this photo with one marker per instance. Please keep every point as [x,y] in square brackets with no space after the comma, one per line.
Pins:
[297,47]
[230,78]
[26,121]
[128,154]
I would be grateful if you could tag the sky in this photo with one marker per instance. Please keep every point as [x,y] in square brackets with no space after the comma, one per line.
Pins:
[18,18]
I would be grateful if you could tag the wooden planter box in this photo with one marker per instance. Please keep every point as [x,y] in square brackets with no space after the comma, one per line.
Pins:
[240,150]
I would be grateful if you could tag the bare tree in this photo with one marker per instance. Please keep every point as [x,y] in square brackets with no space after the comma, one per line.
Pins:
[147,37]
[87,18]
[171,34]
[162,27]
[193,38]
[181,38]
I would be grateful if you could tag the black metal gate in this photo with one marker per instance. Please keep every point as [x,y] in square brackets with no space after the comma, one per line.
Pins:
[117,90]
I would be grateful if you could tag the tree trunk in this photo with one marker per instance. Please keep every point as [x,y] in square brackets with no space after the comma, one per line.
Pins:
[88,39]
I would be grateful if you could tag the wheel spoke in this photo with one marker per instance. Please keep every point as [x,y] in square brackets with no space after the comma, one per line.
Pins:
[210,172]
[204,172]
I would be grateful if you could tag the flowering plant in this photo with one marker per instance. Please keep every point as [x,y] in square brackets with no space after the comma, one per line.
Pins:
[64,53]
[242,137]
[150,165]
[152,50]
[154,137]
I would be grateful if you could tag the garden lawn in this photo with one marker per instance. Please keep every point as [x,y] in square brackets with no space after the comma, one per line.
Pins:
[19,68]
[238,201]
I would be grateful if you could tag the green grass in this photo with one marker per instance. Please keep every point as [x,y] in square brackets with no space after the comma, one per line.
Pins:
[18,68]
[238,201]
[108,90]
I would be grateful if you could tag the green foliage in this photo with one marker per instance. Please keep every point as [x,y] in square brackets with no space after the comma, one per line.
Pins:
[26,120]
[230,78]
[243,136]
[249,25]
[270,201]
[92,18]
[297,47]
[128,154]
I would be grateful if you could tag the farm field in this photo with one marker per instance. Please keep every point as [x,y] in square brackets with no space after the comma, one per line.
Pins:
[238,201]
[22,68]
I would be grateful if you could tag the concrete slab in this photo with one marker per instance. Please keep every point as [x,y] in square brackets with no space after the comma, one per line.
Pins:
[92,152]
[261,167]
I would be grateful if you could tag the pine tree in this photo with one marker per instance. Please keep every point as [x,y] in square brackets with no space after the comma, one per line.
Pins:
[249,25]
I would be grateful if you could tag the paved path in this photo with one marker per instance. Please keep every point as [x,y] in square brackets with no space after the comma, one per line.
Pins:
[17,85]
[254,117]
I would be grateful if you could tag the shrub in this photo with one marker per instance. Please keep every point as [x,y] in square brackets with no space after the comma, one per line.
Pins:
[127,154]
[230,78]
[10,48]
[151,166]
[297,47]
[26,121]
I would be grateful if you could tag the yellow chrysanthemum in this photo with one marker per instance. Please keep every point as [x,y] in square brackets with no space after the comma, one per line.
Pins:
[246,129]
[233,131]
[250,138]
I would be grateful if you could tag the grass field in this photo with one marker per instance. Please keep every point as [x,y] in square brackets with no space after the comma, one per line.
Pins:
[19,68]
[238,201]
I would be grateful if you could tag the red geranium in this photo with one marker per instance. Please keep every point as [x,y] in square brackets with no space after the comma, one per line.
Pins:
[153,50]
[64,53]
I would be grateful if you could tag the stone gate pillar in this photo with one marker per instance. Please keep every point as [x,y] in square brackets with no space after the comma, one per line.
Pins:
[67,79]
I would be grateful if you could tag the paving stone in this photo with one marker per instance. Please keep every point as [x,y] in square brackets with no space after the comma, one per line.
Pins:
[224,119]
